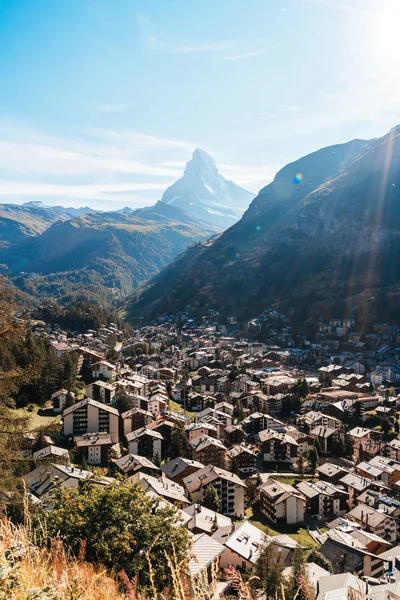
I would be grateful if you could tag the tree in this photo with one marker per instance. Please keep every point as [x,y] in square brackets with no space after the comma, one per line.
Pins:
[397,426]
[234,465]
[317,445]
[385,426]
[268,570]
[180,446]
[211,498]
[121,527]
[298,585]
[251,489]
[319,559]
[17,368]
[300,466]
[313,459]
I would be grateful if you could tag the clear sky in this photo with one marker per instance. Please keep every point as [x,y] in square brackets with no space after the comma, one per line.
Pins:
[103,101]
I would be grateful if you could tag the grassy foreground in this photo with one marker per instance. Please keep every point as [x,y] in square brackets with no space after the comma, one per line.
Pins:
[31,573]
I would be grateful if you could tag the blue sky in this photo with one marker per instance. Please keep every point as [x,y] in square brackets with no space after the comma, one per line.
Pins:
[103,101]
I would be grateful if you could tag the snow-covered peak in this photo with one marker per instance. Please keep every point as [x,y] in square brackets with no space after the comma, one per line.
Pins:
[203,193]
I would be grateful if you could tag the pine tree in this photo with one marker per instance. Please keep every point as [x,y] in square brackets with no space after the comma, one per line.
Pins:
[211,498]
[313,459]
[269,571]
[298,585]
[300,466]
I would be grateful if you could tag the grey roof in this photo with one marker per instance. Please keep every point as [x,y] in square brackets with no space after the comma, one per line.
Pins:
[203,553]
[178,465]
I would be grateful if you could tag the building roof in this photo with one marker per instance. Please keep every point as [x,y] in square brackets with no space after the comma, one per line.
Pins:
[50,450]
[89,401]
[337,582]
[103,362]
[207,475]
[205,550]
[246,541]
[284,438]
[175,467]
[136,411]
[355,481]
[62,393]
[368,515]
[101,438]
[134,461]
[204,518]
[330,470]
[161,486]
[142,431]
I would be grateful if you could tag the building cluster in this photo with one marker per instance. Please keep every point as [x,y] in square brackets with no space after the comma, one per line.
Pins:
[205,417]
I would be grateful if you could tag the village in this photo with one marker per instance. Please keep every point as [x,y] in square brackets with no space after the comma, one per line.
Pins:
[286,440]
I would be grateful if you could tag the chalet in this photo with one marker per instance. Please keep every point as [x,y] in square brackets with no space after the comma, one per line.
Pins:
[42,480]
[145,442]
[327,437]
[278,447]
[103,370]
[179,468]
[133,463]
[204,560]
[242,547]
[135,418]
[323,499]
[208,451]
[244,460]
[375,521]
[196,431]
[331,473]
[96,447]
[89,416]
[101,392]
[230,489]
[204,520]
[348,555]
[53,454]
[59,400]
[234,434]
[165,488]
[281,503]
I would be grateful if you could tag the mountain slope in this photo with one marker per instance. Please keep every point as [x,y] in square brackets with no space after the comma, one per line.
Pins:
[30,219]
[325,231]
[113,251]
[203,193]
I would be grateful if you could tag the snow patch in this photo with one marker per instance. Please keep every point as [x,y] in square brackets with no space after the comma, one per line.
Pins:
[171,200]
[209,189]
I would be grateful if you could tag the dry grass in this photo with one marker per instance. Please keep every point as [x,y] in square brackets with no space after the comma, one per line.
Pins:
[30,572]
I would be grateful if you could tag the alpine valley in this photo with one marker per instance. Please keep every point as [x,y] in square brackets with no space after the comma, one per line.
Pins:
[69,254]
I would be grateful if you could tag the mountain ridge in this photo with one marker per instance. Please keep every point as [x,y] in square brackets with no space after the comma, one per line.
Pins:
[325,231]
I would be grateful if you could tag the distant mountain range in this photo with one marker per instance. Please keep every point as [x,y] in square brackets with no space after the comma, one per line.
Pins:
[100,256]
[323,239]
[31,219]
[203,193]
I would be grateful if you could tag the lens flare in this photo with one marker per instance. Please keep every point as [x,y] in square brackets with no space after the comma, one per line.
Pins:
[297,178]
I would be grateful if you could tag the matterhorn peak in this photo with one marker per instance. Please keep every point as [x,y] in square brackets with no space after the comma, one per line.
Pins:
[203,193]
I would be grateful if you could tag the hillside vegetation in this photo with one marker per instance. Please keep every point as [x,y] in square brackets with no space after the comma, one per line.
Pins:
[101,256]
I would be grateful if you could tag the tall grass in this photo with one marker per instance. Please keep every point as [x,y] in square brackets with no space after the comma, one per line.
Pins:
[29,572]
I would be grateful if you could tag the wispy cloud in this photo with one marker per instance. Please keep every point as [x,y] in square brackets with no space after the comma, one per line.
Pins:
[113,107]
[246,54]
[161,45]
